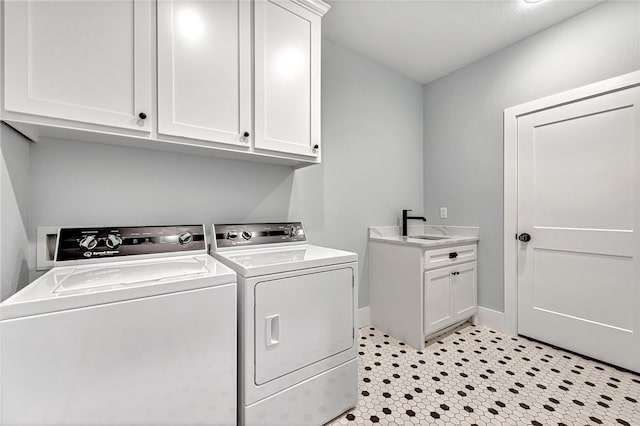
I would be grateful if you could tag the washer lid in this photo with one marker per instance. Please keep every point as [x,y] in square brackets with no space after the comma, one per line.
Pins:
[250,263]
[69,287]
[128,274]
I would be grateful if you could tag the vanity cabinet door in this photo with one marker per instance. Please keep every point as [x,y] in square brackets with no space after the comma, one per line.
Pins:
[438,312]
[449,296]
[287,78]
[84,61]
[463,284]
[204,70]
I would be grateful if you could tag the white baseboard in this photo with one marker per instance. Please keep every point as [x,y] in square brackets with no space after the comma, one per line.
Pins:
[485,317]
[364,317]
[490,318]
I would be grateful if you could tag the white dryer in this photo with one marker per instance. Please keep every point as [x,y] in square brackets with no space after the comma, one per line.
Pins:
[297,324]
[133,325]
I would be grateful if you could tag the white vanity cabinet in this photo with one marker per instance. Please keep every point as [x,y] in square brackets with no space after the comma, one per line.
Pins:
[85,62]
[287,77]
[418,289]
[204,70]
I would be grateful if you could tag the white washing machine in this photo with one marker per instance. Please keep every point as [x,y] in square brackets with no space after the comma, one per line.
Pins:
[297,324]
[133,325]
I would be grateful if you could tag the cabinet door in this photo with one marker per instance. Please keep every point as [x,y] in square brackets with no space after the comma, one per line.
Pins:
[204,70]
[463,286]
[287,78]
[86,61]
[437,299]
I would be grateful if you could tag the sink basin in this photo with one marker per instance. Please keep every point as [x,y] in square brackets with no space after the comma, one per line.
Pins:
[428,237]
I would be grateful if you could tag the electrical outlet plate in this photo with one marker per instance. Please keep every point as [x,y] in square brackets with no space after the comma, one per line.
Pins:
[443,212]
[45,247]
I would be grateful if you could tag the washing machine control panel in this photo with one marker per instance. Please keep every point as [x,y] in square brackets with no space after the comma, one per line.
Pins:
[105,242]
[256,234]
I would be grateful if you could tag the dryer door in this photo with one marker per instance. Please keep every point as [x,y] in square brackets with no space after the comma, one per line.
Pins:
[302,319]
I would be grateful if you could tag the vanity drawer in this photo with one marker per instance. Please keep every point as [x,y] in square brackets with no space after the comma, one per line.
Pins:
[449,256]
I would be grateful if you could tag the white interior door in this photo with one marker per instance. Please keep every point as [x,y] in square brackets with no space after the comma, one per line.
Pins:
[204,70]
[302,319]
[578,198]
[87,61]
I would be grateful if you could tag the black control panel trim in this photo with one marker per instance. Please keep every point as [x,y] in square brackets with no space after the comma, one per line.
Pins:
[107,242]
[256,234]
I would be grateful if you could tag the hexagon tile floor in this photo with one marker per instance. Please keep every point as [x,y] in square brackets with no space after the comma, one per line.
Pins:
[476,376]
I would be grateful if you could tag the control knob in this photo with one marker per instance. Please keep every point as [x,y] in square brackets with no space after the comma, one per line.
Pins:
[293,231]
[113,241]
[232,236]
[88,242]
[185,238]
[246,235]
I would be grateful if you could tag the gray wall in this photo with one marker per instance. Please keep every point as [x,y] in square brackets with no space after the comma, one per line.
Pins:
[463,161]
[372,168]
[14,211]
[372,155]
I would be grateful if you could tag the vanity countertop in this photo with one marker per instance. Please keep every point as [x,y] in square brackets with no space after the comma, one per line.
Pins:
[455,235]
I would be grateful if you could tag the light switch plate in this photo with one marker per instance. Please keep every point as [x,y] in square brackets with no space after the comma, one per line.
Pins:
[443,212]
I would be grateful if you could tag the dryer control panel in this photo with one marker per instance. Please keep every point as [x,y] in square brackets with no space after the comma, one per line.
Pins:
[256,234]
[106,242]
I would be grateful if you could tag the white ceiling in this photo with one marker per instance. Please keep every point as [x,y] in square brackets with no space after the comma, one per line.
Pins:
[427,39]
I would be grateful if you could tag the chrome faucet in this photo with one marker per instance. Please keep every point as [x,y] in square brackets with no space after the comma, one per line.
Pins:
[405,218]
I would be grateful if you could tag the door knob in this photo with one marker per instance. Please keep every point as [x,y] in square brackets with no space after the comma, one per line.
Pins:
[524,237]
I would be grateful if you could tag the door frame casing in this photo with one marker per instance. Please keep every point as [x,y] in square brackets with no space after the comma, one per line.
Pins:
[510,159]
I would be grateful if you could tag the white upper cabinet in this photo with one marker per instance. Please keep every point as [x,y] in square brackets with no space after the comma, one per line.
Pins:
[287,76]
[204,70]
[88,62]
[232,78]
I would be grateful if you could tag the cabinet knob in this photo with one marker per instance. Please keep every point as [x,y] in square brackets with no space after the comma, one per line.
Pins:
[315,147]
[245,134]
[453,255]
[142,116]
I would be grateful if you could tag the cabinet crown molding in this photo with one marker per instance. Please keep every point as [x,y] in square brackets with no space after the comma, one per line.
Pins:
[316,6]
